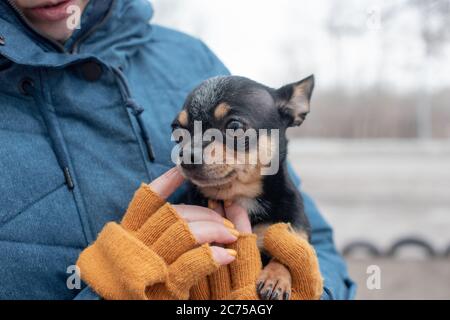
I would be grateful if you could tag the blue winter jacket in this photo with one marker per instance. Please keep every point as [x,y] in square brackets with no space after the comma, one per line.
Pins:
[79,124]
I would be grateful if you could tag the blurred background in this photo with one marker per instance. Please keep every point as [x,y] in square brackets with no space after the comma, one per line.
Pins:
[375,150]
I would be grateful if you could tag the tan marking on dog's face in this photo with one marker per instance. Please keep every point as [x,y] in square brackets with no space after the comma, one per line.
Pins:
[233,190]
[221,110]
[234,174]
[246,179]
[183,118]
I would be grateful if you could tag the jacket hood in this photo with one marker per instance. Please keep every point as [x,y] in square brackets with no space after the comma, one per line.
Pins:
[110,31]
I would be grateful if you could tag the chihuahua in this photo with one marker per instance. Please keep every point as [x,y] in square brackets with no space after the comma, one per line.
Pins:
[228,108]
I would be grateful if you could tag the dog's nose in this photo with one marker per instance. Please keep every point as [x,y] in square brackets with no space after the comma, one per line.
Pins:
[192,160]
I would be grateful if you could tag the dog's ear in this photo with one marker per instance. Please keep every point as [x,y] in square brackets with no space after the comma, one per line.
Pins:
[293,100]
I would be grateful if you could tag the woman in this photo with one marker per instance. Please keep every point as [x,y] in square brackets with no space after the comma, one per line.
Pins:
[85,118]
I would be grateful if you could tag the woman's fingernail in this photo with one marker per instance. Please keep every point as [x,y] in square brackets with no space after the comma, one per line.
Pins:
[228,224]
[232,252]
[234,232]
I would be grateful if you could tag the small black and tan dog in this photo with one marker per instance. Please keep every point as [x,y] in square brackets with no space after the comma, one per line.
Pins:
[242,105]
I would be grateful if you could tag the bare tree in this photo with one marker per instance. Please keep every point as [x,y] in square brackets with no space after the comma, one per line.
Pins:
[435,32]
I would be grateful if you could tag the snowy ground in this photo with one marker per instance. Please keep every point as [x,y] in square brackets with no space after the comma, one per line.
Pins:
[382,191]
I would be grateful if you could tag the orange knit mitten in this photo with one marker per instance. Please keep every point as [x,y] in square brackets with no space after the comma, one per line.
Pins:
[151,255]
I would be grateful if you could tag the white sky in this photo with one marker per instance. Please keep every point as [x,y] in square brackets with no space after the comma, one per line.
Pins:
[275,42]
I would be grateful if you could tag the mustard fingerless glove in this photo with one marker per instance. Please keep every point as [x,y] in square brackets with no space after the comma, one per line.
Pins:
[236,281]
[282,243]
[245,269]
[150,255]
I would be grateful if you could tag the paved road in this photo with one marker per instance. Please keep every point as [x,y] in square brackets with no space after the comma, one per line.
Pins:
[402,279]
[382,191]
[379,190]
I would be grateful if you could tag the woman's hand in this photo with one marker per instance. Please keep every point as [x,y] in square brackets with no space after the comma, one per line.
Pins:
[159,250]
[206,225]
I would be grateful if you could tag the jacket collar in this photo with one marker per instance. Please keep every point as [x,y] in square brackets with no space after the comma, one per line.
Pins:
[96,13]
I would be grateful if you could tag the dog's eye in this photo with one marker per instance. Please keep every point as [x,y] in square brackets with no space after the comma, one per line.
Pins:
[235,125]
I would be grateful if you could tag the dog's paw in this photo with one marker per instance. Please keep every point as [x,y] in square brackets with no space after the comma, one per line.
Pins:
[274,282]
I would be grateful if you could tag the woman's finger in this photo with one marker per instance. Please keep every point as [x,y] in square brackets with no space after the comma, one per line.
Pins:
[239,217]
[223,256]
[216,206]
[167,183]
[192,213]
[212,232]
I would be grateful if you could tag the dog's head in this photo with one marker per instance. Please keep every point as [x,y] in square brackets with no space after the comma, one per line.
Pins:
[231,129]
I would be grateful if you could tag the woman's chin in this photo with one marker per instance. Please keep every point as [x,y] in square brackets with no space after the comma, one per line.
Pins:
[57,31]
